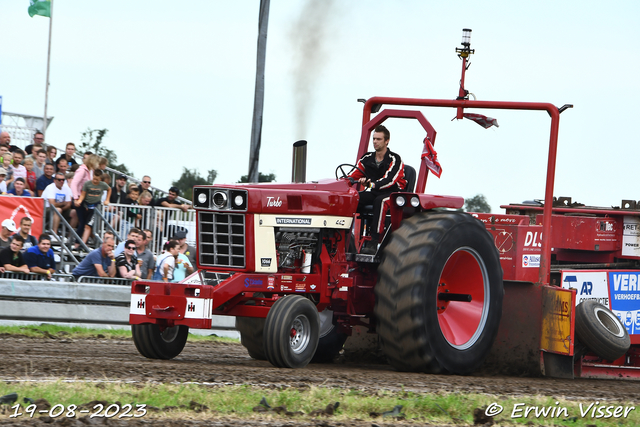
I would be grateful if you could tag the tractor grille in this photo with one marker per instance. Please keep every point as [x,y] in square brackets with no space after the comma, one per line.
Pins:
[221,239]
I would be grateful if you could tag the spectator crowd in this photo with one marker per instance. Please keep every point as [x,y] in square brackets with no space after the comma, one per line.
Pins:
[75,189]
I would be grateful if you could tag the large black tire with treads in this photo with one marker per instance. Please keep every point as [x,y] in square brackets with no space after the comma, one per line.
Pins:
[156,343]
[601,331]
[331,339]
[291,332]
[251,335]
[439,294]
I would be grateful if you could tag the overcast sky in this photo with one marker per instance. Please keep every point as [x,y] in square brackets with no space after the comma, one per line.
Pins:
[173,82]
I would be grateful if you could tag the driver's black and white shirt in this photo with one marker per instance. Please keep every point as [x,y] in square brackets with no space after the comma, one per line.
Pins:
[388,175]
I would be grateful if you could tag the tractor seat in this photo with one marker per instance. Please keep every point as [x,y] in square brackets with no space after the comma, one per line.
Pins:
[409,175]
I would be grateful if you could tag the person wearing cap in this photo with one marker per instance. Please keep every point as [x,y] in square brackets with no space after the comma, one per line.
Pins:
[189,251]
[20,188]
[3,185]
[8,228]
[118,195]
[171,200]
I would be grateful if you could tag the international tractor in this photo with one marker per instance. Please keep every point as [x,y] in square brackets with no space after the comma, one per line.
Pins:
[550,287]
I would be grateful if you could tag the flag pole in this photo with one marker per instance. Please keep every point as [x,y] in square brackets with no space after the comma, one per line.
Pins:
[46,91]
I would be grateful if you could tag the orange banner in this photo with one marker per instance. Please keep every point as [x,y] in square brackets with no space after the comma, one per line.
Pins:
[15,208]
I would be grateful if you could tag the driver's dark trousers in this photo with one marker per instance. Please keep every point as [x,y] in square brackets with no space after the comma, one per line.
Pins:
[380,201]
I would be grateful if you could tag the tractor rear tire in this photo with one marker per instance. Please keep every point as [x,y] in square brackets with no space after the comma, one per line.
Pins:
[154,343]
[291,332]
[251,335]
[600,330]
[331,339]
[431,260]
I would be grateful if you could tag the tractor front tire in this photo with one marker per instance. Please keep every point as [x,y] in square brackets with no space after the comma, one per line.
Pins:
[155,342]
[598,329]
[439,294]
[291,332]
[251,335]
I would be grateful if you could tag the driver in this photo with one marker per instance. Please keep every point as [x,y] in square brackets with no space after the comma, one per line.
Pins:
[384,175]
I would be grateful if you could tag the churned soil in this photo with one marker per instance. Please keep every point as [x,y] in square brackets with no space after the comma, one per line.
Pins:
[220,363]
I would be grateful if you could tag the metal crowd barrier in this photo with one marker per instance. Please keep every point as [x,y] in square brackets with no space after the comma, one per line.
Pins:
[163,223]
[58,277]
[68,302]
[105,280]
[72,302]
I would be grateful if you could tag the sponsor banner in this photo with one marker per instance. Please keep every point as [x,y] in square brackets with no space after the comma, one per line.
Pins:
[618,290]
[531,260]
[251,282]
[625,290]
[16,208]
[590,285]
[532,241]
[630,319]
[631,236]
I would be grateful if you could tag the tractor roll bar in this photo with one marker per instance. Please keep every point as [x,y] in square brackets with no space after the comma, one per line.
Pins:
[375,102]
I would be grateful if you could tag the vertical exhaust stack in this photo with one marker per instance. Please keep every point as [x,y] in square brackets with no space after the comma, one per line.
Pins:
[299,166]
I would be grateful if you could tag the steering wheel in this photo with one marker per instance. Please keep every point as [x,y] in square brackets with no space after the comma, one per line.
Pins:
[346,175]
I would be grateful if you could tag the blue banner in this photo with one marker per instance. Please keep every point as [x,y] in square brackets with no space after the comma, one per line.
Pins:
[625,290]
[624,287]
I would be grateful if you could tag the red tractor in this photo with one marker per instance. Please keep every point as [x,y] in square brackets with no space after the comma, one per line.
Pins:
[285,260]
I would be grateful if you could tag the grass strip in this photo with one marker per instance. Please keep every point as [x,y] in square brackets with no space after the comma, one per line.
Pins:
[46,330]
[199,402]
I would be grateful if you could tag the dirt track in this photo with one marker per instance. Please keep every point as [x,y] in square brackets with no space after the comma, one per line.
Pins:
[228,363]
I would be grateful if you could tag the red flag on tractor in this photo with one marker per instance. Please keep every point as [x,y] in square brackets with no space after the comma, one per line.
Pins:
[484,121]
[430,158]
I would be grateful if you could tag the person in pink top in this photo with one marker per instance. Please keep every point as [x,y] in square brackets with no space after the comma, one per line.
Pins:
[84,174]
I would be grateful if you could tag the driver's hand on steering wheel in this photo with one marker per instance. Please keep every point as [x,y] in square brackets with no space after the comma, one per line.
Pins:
[366,182]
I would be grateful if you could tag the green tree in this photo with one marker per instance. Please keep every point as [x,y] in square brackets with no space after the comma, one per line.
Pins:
[261,178]
[477,203]
[189,178]
[91,140]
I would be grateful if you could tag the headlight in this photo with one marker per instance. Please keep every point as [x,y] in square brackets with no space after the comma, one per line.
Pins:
[220,199]
[238,200]
[415,201]
[400,201]
[202,198]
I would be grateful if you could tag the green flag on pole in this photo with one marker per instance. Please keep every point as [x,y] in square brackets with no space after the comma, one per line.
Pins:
[40,7]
